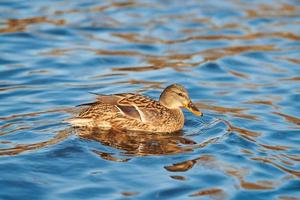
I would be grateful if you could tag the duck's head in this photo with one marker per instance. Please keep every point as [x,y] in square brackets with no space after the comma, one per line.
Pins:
[176,96]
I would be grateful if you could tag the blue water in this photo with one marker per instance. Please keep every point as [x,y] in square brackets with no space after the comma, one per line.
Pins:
[238,59]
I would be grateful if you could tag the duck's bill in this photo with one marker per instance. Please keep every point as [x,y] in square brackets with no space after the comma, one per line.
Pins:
[191,107]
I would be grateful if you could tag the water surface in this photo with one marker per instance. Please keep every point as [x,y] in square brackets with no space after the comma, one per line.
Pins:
[238,59]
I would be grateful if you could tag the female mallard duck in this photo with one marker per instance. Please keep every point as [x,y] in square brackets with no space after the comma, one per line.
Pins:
[135,112]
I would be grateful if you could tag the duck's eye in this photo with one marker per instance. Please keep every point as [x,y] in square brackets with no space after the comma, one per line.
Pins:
[180,94]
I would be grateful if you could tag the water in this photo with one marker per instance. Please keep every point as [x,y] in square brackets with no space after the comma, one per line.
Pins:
[238,59]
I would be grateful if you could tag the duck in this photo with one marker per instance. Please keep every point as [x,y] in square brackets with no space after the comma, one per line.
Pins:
[136,112]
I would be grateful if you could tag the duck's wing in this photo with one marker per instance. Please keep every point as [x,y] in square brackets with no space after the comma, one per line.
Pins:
[135,106]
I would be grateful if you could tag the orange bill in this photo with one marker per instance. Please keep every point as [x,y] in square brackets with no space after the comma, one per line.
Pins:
[191,107]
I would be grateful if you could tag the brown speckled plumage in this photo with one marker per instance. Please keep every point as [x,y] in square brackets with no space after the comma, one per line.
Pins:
[130,111]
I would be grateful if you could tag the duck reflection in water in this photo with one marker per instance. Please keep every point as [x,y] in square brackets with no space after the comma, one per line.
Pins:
[137,143]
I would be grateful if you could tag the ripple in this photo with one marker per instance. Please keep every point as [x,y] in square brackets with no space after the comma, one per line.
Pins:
[239,61]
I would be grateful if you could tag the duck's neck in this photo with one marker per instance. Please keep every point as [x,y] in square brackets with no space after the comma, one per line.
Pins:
[165,101]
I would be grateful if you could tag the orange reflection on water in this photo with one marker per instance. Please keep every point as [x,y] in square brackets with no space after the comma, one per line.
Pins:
[186,165]
[259,185]
[293,60]
[252,36]
[288,198]
[263,102]
[18,25]
[292,157]
[273,11]
[289,118]
[246,151]
[215,193]
[268,161]
[129,194]
[137,69]
[283,160]
[297,78]
[238,74]
[178,177]
[98,8]
[119,52]
[275,148]
[263,185]
[181,167]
